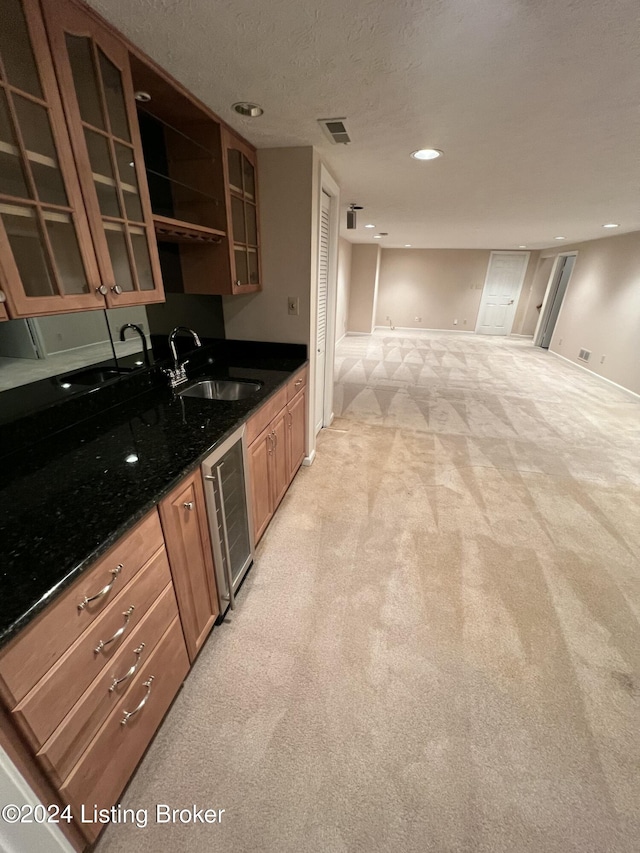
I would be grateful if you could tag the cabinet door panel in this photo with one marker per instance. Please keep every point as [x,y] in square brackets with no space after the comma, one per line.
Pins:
[184,520]
[259,454]
[280,458]
[95,79]
[242,214]
[296,419]
[49,262]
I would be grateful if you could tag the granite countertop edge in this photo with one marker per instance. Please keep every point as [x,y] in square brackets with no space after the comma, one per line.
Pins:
[39,605]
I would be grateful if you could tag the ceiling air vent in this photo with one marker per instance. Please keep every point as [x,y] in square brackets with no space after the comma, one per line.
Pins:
[584,355]
[335,130]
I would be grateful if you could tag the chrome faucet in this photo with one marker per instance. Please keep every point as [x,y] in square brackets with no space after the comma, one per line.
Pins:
[137,328]
[179,374]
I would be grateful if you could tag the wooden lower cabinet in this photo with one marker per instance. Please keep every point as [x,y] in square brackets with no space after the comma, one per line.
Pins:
[275,456]
[103,771]
[184,520]
[296,422]
[86,685]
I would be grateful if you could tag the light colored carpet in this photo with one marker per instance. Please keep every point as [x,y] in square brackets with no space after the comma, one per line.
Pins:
[438,647]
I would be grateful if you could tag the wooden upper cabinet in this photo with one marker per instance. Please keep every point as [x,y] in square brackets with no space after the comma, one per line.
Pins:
[242,212]
[92,67]
[48,263]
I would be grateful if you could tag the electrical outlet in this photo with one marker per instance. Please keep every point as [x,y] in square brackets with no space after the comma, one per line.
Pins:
[560,342]
[455,322]
[602,359]
[293,305]
[418,319]
[464,322]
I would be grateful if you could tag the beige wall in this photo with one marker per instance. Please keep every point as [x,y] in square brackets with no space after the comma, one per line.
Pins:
[343,288]
[287,213]
[601,308]
[365,270]
[438,285]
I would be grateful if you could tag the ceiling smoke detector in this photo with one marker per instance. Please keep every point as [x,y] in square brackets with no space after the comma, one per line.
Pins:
[246,108]
[335,129]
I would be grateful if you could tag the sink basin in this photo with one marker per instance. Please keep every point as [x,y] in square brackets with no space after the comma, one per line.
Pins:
[93,375]
[221,389]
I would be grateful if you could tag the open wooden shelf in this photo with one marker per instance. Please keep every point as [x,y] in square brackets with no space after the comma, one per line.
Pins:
[175,231]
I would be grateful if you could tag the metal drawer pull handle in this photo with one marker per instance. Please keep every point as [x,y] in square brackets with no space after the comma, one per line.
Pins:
[137,652]
[107,589]
[298,382]
[104,643]
[188,505]
[129,714]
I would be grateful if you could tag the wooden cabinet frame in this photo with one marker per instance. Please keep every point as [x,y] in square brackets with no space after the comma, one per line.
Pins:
[62,17]
[18,303]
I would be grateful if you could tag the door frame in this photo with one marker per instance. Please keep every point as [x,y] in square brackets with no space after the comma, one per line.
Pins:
[327,184]
[516,298]
[547,300]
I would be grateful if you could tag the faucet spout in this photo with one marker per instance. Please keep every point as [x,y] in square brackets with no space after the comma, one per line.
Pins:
[172,341]
[137,329]
[178,374]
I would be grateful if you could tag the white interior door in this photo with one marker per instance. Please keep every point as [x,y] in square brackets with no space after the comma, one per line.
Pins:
[323,292]
[502,287]
[559,288]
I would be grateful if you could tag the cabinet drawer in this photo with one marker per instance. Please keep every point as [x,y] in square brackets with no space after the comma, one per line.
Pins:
[53,696]
[263,417]
[297,383]
[71,738]
[43,642]
[106,766]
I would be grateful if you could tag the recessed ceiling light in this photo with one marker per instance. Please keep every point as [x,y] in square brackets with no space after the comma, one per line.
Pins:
[522,247]
[407,245]
[426,154]
[377,236]
[245,108]
[611,225]
[369,226]
[559,238]
[131,458]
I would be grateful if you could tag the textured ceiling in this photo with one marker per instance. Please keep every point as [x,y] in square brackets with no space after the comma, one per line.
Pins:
[536,104]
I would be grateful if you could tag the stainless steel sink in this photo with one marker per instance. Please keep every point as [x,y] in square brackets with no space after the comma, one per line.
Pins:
[220,389]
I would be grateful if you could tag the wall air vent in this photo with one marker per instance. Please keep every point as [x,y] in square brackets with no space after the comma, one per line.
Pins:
[335,129]
[584,355]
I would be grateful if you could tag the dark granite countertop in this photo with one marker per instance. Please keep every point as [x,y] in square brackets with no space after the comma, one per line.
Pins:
[66,499]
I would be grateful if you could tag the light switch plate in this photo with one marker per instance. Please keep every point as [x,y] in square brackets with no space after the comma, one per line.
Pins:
[292,305]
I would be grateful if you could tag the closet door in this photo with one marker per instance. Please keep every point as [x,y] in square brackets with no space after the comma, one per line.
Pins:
[92,66]
[48,264]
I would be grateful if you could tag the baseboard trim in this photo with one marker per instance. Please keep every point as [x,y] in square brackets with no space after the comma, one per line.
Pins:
[597,375]
[308,460]
[421,329]
[354,334]
[516,335]
[341,339]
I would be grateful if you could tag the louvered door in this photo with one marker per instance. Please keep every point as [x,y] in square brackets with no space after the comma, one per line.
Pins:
[323,292]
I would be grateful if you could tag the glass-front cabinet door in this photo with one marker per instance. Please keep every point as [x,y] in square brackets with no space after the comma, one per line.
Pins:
[244,233]
[47,259]
[97,92]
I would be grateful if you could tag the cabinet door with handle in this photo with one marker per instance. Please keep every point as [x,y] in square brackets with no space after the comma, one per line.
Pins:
[280,459]
[260,472]
[48,258]
[244,230]
[295,432]
[92,65]
[184,520]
